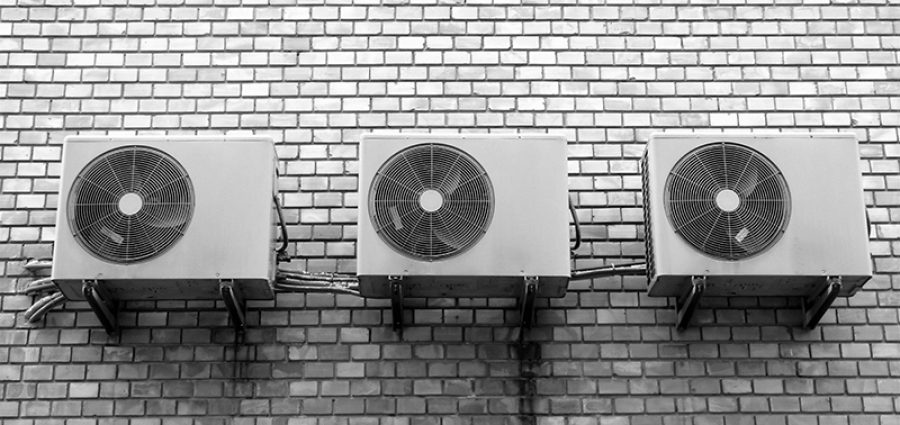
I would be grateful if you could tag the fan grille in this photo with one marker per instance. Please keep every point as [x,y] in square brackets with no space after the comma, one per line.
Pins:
[431,201]
[130,204]
[727,200]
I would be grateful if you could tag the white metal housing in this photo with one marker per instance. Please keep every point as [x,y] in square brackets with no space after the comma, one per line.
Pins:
[826,234]
[230,235]
[527,236]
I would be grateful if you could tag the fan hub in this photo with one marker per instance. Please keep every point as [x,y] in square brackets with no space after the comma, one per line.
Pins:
[131,203]
[431,200]
[728,200]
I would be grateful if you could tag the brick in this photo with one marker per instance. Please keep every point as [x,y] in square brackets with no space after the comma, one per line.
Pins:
[84,390]
[9,409]
[10,373]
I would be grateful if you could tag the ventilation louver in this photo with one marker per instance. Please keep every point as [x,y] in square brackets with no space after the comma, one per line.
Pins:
[130,204]
[727,200]
[431,201]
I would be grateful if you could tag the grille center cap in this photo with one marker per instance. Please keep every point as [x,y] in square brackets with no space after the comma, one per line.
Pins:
[728,200]
[431,200]
[130,203]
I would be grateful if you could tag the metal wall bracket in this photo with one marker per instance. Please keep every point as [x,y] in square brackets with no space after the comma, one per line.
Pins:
[396,283]
[687,303]
[815,306]
[234,303]
[529,292]
[103,305]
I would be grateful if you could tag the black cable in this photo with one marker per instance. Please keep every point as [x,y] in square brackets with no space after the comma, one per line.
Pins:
[577,227]
[282,251]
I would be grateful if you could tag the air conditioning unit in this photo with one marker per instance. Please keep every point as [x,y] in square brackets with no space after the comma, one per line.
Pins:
[757,215]
[463,215]
[157,217]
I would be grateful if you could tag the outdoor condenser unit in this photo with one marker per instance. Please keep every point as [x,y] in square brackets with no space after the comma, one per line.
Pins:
[462,215]
[755,215]
[157,217]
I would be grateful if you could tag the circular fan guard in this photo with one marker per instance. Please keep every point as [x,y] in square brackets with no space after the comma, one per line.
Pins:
[130,204]
[431,201]
[727,200]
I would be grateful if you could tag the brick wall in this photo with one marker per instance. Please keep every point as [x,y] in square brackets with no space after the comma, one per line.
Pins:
[315,76]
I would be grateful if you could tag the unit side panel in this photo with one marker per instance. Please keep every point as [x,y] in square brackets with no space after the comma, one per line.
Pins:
[234,211]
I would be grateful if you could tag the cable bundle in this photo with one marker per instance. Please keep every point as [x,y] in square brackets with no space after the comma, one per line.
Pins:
[303,281]
[53,297]
[627,269]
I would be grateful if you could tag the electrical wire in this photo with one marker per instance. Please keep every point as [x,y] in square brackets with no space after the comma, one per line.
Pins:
[303,281]
[290,287]
[282,250]
[295,286]
[626,269]
[330,277]
[577,227]
[35,266]
[56,299]
[39,285]
[39,309]
[326,282]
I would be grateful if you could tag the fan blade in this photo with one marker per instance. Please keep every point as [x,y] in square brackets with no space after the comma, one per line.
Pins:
[444,231]
[747,183]
[112,235]
[742,236]
[451,181]
[163,216]
[416,168]
[395,217]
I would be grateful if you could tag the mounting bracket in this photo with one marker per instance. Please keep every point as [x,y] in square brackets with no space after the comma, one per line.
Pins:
[815,306]
[103,305]
[234,303]
[529,292]
[687,303]
[396,284]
